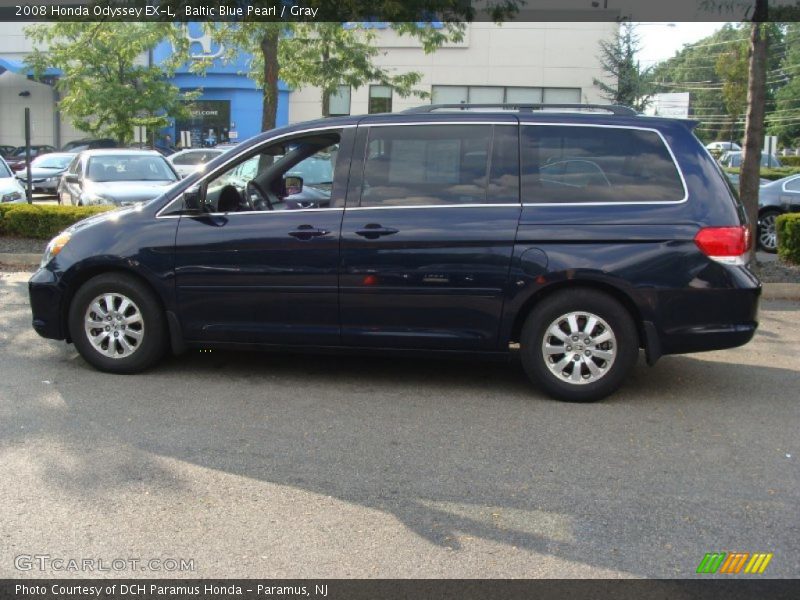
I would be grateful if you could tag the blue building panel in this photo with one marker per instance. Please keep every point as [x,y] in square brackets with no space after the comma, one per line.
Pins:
[224,85]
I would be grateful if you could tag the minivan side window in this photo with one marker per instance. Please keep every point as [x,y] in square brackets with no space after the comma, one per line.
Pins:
[417,165]
[582,164]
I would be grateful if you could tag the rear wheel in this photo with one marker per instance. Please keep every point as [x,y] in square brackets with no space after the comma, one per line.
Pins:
[117,324]
[767,231]
[579,345]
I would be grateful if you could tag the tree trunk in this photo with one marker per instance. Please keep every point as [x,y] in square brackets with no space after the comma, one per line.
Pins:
[269,50]
[326,97]
[754,124]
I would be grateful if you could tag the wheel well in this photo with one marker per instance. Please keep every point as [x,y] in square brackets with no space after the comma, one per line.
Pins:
[85,275]
[764,209]
[612,291]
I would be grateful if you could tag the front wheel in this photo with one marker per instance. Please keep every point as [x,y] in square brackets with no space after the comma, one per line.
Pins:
[117,324]
[767,231]
[579,345]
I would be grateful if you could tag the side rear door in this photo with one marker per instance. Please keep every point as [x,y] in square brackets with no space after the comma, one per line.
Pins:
[428,232]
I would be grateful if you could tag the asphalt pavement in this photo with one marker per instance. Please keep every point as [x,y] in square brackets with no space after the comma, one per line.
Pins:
[279,465]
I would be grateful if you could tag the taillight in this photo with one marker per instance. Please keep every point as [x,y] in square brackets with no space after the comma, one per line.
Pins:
[724,244]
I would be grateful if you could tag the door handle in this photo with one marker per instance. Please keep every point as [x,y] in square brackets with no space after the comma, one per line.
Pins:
[372,231]
[307,232]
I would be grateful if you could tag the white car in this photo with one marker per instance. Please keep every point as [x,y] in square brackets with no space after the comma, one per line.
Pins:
[11,190]
[723,146]
[188,161]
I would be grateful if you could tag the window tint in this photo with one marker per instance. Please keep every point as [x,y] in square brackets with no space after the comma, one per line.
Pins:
[440,164]
[597,164]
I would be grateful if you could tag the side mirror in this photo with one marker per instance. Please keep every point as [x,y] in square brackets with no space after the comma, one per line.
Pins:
[191,199]
[72,178]
[292,185]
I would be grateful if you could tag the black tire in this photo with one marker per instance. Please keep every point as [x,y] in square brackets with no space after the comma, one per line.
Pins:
[624,348]
[151,324]
[769,216]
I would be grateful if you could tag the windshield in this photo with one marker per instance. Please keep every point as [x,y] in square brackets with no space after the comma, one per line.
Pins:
[130,167]
[4,170]
[48,161]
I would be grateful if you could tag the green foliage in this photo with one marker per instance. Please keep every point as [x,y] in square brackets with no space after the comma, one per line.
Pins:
[788,228]
[771,174]
[630,82]
[104,88]
[42,221]
[732,66]
[703,68]
[790,161]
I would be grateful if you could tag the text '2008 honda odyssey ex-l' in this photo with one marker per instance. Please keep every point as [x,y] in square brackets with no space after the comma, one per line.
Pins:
[581,233]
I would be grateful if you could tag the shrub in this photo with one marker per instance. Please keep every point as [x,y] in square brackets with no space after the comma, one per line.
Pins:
[42,221]
[788,227]
[790,161]
[772,174]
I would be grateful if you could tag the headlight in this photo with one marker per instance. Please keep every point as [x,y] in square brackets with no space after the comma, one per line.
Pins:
[89,198]
[54,247]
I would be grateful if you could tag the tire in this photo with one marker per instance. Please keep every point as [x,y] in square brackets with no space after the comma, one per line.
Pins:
[135,317]
[767,235]
[605,361]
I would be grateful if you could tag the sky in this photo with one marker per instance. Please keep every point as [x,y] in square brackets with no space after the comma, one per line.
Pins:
[660,41]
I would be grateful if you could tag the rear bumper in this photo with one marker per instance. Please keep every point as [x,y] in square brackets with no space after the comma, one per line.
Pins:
[707,319]
[46,297]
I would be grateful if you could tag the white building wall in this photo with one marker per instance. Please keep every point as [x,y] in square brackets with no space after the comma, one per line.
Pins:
[546,55]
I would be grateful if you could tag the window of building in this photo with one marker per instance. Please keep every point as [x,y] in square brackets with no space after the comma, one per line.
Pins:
[442,164]
[339,102]
[380,99]
[461,94]
[561,95]
[563,164]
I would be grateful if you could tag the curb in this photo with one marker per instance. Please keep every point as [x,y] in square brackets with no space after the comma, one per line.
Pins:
[14,259]
[769,291]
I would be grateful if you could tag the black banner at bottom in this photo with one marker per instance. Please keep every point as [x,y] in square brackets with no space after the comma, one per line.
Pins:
[398,589]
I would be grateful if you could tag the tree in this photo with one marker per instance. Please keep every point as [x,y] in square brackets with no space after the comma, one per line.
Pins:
[756,106]
[322,54]
[327,55]
[105,89]
[630,82]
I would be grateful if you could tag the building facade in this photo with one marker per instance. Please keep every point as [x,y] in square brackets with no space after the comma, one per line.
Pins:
[513,62]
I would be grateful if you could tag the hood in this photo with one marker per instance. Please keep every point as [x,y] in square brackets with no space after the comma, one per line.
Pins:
[40,173]
[111,215]
[127,192]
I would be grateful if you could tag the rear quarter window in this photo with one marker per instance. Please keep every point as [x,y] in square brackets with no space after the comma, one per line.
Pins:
[585,164]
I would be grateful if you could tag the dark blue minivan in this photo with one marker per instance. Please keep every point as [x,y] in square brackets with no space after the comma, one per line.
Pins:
[580,233]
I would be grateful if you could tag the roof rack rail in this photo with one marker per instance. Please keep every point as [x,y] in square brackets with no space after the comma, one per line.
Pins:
[615,109]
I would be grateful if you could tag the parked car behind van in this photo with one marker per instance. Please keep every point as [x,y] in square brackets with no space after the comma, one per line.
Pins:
[581,236]
[118,176]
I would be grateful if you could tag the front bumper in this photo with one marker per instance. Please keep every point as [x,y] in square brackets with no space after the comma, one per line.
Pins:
[46,298]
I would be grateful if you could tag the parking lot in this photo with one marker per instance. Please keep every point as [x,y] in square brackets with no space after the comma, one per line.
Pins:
[277,465]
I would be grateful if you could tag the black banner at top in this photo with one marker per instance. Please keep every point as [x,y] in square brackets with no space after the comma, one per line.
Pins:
[386,11]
